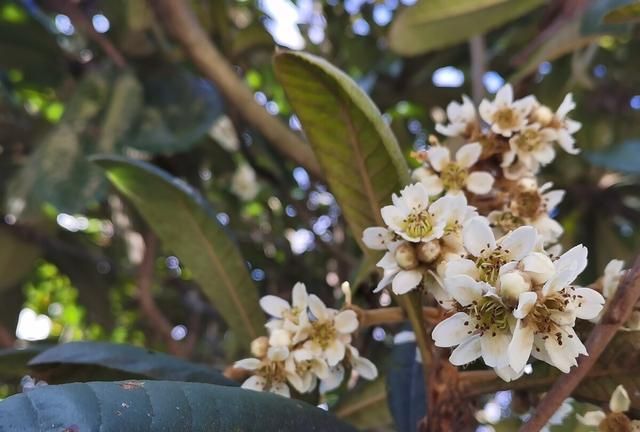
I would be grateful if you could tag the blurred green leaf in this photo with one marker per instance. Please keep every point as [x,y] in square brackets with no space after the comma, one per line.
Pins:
[88,359]
[179,108]
[623,157]
[594,21]
[154,406]
[187,225]
[13,361]
[57,171]
[629,13]
[17,258]
[436,24]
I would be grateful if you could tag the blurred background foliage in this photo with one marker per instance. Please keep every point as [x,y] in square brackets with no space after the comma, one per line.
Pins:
[84,77]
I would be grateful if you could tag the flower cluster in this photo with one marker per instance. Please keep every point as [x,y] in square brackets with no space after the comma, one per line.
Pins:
[616,419]
[476,232]
[307,343]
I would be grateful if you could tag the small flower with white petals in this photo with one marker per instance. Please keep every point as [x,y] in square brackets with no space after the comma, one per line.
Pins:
[269,373]
[455,175]
[462,118]
[566,127]
[285,315]
[504,115]
[244,184]
[615,419]
[533,146]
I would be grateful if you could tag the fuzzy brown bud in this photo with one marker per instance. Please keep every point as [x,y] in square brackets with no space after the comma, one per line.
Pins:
[428,252]
[259,346]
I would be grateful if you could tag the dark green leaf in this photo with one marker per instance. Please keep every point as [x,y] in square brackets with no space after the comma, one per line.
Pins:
[13,361]
[594,21]
[17,258]
[187,225]
[624,157]
[435,24]
[86,358]
[154,406]
[179,109]
[630,13]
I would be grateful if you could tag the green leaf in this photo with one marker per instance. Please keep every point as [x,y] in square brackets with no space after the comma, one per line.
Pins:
[57,172]
[436,24]
[630,13]
[13,361]
[187,225]
[90,359]
[178,111]
[624,157]
[154,406]
[365,406]
[359,155]
[17,258]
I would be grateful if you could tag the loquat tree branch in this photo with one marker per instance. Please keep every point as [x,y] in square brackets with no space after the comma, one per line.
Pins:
[178,18]
[616,314]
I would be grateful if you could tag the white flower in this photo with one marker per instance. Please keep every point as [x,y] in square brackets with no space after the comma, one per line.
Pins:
[411,217]
[364,367]
[287,316]
[330,332]
[565,127]
[453,176]
[400,268]
[244,184]
[333,380]
[613,273]
[461,118]
[481,328]
[504,115]
[304,370]
[618,405]
[378,238]
[224,133]
[547,315]
[269,374]
[533,146]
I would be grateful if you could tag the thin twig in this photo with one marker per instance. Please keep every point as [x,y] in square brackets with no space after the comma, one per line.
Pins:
[616,314]
[478,66]
[157,321]
[179,19]
[391,315]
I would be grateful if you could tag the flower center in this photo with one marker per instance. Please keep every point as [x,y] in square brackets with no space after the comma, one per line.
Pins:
[507,221]
[542,313]
[616,422]
[489,263]
[453,176]
[273,372]
[528,140]
[490,315]
[505,118]
[324,333]
[418,223]
[526,204]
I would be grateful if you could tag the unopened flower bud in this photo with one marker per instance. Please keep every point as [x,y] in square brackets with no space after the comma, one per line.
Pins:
[259,346]
[406,257]
[542,115]
[538,267]
[280,338]
[513,284]
[346,290]
[429,252]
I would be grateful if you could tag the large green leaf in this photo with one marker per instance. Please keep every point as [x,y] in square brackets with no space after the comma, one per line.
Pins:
[13,361]
[435,24]
[187,225]
[359,155]
[67,362]
[154,406]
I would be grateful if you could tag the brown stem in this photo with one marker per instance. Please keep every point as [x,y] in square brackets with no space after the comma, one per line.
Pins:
[478,66]
[616,314]
[392,315]
[148,307]
[180,21]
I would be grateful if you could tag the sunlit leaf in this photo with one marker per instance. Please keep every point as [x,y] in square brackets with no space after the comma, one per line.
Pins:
[187,225]
[436,24]
[154,406]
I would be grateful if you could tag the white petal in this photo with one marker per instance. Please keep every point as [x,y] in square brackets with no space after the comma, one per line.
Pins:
[334,352]
[591,418]
[463,289]
[539,266]
[433,184]
[461,266]
[365,368]
[494,349]
[297,382]
[321,369]
[274,306]
[415,195]
[281,389]
[248,364]
[318,308]
[553,198]
[526,301]
[545,154]
[438,157]
[504,96]
[333,381]
[254,382]
[567,105]
[479,182]
[466,352]
[589,303]
[520,346]
[393,217]
[575,259]
[452,331]
[512,284]
[468,154]
[376,237]
[477,236]
[507,374]
[558,282]
[520,242]
[619,401]
[561,356]
[405,281]
[346,321]
[278,353]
